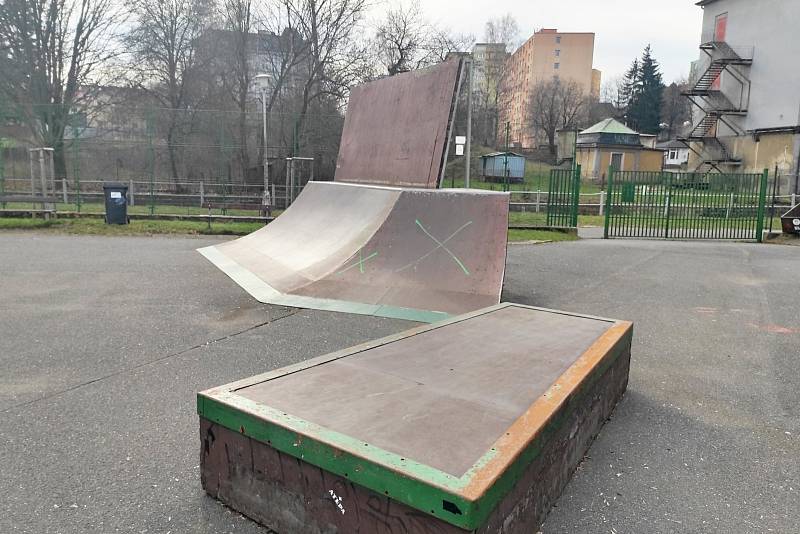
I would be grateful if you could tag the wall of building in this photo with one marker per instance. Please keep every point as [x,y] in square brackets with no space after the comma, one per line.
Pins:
[770,28]
[770,150]
[594,161]
[489,60]
[597,80]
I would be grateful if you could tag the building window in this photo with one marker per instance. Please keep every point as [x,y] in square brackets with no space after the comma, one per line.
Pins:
[557,66]
[558,52]
[673,154]
[558,39]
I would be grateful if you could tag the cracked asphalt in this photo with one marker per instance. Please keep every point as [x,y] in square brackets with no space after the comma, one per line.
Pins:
[104,342]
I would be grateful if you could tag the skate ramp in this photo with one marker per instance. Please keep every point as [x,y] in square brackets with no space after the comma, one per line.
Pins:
[405,253]
[396,129]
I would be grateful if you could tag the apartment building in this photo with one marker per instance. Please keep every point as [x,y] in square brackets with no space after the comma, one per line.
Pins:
[547,54]
[489,61]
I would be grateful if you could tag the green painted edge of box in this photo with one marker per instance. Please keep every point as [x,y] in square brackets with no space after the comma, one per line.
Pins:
[412,483]
[417,485]
[265,293]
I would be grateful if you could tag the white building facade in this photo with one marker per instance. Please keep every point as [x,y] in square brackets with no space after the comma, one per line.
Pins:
[746,87]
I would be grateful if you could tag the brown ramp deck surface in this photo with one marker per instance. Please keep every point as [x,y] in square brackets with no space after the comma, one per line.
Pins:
[396,129]
[406,253]
[473,424]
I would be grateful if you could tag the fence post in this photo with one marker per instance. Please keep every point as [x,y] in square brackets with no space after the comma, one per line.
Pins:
[794,199]
[2,174]
[202,194]
[576,195]
[131,193]
[64,188]
[609,190]
[151,159]
[775,191]
[76,169]
[602,202]
[538,200]
[667,210]
[730,206]
[762,201]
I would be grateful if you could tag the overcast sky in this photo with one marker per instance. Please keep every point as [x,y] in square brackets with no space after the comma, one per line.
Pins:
[622,27]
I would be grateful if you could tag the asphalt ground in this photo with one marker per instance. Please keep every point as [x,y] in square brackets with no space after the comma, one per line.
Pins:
[104,342]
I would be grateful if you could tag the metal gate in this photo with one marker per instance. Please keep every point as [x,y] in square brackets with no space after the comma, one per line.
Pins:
[562,199]
[685,205]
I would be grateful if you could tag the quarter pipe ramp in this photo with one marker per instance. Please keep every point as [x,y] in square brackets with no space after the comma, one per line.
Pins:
[414,254]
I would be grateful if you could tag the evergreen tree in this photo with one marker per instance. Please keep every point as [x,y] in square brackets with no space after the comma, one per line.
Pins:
[630,85]
[646,93]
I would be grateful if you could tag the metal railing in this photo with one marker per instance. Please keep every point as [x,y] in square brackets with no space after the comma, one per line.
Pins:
[157,196]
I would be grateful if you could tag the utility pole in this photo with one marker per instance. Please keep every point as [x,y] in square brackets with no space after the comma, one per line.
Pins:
[266,200]
[468,149]
[505,158]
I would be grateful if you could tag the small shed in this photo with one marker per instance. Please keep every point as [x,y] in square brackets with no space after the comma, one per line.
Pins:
[493,167]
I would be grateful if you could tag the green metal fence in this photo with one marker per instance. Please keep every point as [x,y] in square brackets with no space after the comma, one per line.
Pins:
[685,205]
[563,197]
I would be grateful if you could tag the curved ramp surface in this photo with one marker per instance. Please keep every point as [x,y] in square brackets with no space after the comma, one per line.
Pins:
[406,253]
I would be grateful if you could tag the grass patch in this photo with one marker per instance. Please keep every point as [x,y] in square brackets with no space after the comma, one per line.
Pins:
[25,224]
[86,226]
[531,218]
[539,235]
[141,208]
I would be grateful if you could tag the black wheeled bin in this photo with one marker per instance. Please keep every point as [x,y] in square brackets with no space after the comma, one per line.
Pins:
[116,197]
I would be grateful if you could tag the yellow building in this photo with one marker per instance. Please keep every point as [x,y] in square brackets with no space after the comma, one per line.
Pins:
[547,54]
[611,143]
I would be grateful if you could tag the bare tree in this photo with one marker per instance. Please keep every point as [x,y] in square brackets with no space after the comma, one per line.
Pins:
[238,21]
[163,44]
[675,108]
[52,52]
[503,30]
[405,41]
[328,30]
[556,104]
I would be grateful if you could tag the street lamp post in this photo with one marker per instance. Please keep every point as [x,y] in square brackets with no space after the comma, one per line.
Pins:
[262,82]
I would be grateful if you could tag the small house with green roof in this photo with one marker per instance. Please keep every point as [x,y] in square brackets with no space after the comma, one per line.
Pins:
[611,143]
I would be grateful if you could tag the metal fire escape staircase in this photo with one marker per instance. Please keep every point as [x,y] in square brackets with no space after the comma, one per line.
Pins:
[716,107]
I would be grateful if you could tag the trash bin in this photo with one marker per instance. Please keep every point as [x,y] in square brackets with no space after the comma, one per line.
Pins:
[116,197]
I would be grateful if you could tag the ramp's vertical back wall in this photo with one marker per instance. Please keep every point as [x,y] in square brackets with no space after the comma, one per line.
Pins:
[397,128]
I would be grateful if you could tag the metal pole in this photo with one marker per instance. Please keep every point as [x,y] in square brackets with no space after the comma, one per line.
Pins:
[151,155]
[575,149]
[774,194]
[202,194]
[762,200]
[266,201]
[131,199]
[505,158]
[76,172]
[42,177]
[2,174]
[33,171]
[468,148]
[286,185]
[291,188]
[606,221]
